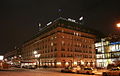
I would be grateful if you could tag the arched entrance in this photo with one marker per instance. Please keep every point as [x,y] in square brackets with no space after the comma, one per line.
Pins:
[91,64]
[78,63]
[63,63]
[70,63]
[51,63]
[55,63]
[86,63]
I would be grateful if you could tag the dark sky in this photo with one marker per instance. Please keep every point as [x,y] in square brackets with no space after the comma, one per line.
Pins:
[19,18]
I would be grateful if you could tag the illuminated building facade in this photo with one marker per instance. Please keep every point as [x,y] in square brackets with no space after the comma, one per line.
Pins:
[62,43]
[107,52]
[13,56]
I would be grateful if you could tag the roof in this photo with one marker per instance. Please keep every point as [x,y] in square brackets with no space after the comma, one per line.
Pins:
[74,26]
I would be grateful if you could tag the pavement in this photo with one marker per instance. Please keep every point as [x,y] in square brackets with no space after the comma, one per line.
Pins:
[41,72]
[47,70]
[35,70]
[14,69]
[100,71]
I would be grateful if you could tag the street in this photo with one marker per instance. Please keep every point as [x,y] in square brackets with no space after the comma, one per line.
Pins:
[39,72]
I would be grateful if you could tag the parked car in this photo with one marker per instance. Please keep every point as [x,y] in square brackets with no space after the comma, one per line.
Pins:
[113,72]
[78,70]
[86,70]
[32,67]
[70,69]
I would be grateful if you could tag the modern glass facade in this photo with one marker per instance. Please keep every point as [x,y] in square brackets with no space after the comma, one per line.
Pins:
[107,53]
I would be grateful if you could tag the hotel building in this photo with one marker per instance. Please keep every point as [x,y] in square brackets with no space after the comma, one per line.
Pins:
[61,43]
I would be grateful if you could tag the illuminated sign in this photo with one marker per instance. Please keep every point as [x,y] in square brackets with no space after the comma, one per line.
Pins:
[81,18]
[49,23]
[113,43]
[71,20]
[39,25]
[1,57]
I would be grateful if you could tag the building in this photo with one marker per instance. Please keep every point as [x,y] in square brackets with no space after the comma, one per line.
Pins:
[1,61]
[108,51]
[13,57]
[10,54]
[61,43]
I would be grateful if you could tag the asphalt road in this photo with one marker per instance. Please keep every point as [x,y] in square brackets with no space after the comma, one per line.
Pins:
[39,72]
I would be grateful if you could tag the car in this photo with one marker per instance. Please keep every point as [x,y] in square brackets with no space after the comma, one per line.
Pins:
[32,67]
[17,66]
[113,72]
[70,69]
[86,70]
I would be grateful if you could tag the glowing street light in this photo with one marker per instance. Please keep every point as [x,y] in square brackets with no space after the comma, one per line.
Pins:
[35,52]
[37,56]
[19,55]
[118,25]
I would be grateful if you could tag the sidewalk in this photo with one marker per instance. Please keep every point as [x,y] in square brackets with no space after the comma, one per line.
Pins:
[100,71]
[48,69]
[13,69]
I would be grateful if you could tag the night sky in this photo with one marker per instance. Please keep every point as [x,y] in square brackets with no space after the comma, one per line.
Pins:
[19,18]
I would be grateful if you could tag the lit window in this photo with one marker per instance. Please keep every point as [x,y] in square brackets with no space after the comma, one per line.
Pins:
[51,38]
[62,30]
[51,43]
[74,33]
[80,44]
[77,34]
[63,42]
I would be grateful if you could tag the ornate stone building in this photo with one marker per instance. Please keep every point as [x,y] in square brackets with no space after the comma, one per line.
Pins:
[62,43]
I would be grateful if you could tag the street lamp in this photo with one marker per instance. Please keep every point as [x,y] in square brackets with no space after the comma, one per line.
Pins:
[37,56]
[118,25]
[35,52]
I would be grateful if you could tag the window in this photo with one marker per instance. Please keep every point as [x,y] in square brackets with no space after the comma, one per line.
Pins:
[63,43]
[62,55]
[55,49]
[51,43]
[68,49]
[52,38]
[62,49]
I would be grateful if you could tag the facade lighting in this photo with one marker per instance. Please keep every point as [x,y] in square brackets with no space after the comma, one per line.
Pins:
[82,62]
[49,23]
[71,20]
[58,63]
[66,63]
[75,63]
[35,52]
[81,18]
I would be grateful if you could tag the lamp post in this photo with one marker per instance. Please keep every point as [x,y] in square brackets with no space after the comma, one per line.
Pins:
[118,39]
[118,31]
[38,57]
[118,27]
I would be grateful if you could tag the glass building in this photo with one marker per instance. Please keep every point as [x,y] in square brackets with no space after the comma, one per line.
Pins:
[107,53]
